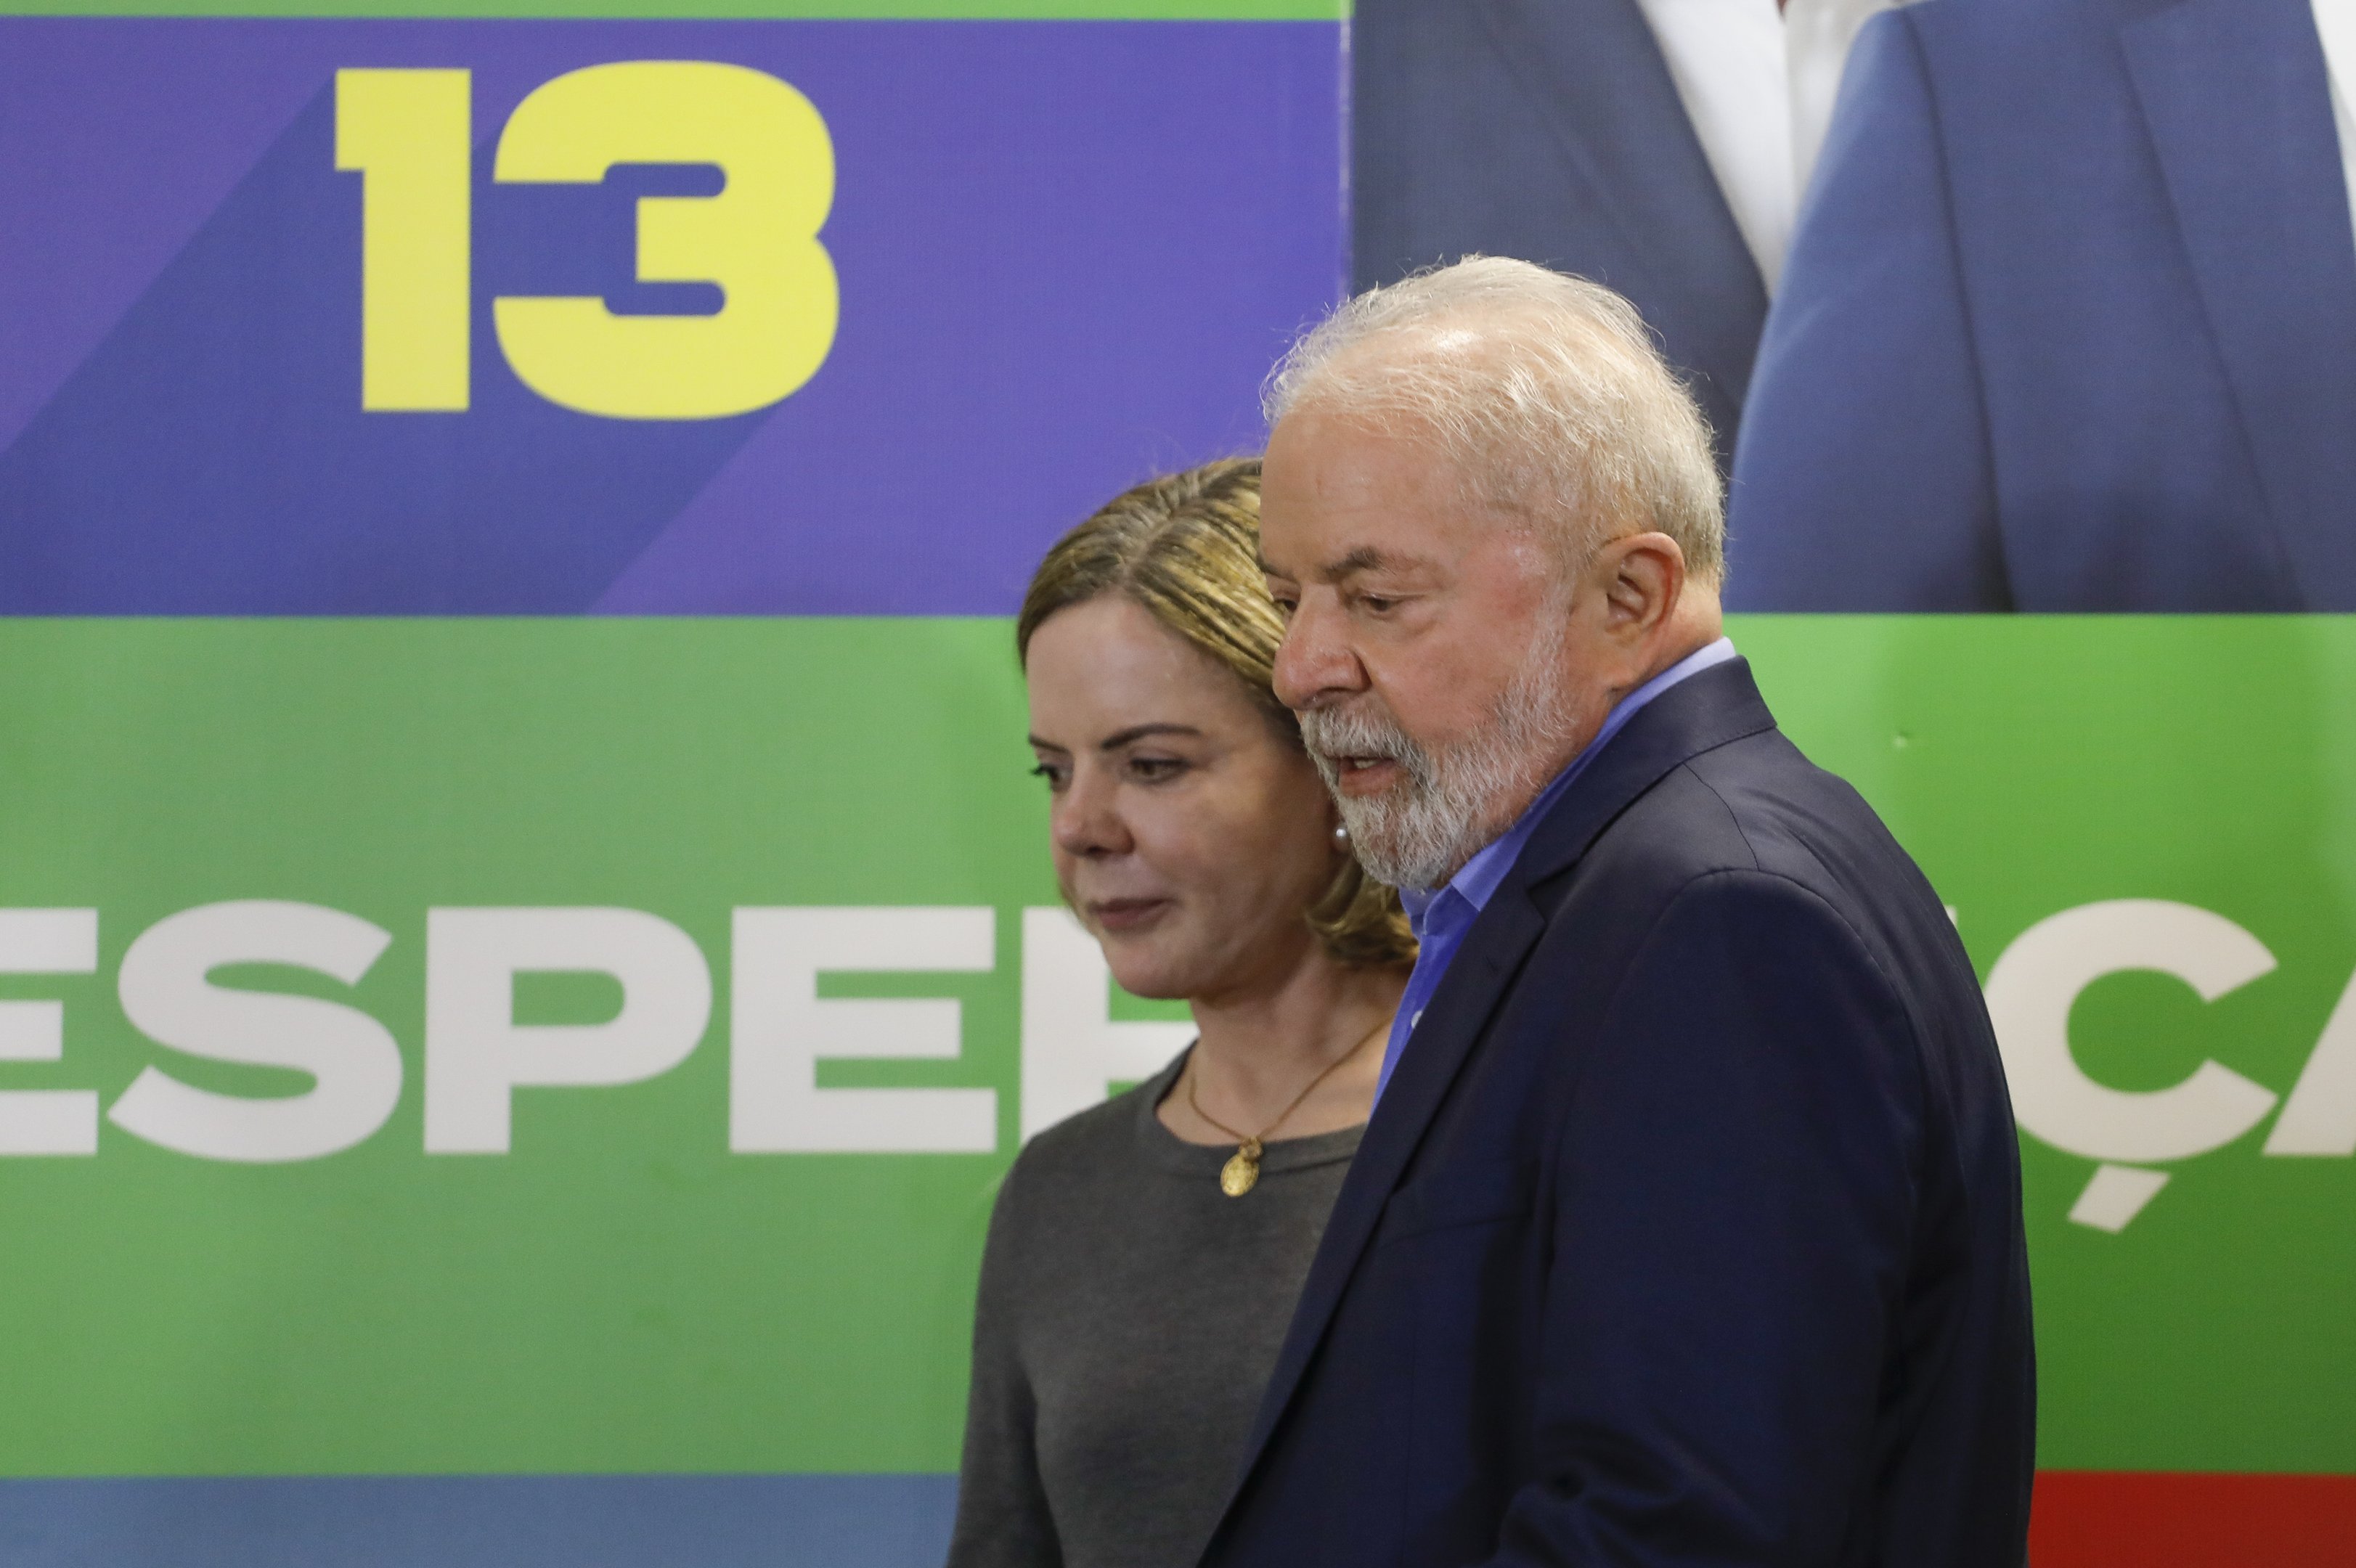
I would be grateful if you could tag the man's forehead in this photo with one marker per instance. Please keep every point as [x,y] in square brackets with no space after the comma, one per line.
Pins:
[1330,450]
[1341,499]
[1350,562]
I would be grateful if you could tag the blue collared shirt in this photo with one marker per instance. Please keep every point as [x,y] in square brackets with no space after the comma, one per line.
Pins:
[1441,917]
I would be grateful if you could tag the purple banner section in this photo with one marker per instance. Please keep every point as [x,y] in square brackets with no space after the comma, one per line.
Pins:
[1067,254]
[479,1521]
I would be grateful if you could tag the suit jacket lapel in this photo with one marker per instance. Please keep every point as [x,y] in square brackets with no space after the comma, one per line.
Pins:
[1700,714]
[1708,709]
[1476,982]
[2238,102]
[1593,69]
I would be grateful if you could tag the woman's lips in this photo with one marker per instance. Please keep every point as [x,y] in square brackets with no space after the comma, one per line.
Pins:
[1126,914]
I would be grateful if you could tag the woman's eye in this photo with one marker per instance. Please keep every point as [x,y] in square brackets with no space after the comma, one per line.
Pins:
[1152,770]
[1053,775]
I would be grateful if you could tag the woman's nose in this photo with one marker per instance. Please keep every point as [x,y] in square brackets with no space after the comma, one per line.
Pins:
[1087,818]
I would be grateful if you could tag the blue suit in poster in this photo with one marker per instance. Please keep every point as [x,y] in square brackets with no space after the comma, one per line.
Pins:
[1550,129]
[2069,323]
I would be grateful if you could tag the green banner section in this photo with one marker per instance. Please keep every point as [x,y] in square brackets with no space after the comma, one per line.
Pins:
[590,1045]
[2042,765]
[680,10]
[619,1292]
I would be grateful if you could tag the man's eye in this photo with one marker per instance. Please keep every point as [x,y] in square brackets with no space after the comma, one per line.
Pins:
[1377,603]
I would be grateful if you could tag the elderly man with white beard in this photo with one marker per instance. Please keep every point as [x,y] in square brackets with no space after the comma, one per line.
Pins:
[1688,1227]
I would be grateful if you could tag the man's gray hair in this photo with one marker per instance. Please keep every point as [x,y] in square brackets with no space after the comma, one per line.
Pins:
[1544,392]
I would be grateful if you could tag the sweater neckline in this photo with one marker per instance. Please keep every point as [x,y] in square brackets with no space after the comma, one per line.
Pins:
[1278,1156]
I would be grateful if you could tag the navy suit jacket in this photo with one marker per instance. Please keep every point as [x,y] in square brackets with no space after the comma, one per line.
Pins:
[1688,1230]
[1550,129]
[2069,323]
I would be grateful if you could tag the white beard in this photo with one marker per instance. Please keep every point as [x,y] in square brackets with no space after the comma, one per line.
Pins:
[1453,801]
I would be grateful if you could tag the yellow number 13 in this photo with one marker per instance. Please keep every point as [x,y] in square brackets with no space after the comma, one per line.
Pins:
[758,239]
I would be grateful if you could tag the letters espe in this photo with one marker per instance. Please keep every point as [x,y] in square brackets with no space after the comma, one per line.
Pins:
[476,1057]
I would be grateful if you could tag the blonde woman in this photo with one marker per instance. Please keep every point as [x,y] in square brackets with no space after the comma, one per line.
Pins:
[1144,1256]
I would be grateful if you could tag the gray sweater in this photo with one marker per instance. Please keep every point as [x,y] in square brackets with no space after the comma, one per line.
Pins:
[1128,1317]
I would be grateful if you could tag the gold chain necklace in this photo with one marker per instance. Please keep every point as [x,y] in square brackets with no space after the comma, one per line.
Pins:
[1241,1173]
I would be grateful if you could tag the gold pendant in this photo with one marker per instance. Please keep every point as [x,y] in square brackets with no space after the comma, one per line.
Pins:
[1241,1173]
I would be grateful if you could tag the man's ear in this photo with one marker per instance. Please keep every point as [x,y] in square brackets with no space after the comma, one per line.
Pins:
[1642,576]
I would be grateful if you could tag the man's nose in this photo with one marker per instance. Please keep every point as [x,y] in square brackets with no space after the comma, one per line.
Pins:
[1085,819]
[1316,661]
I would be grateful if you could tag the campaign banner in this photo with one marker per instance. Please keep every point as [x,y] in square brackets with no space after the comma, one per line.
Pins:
[352,318]
[525,944]
[541,1048]
[815,310]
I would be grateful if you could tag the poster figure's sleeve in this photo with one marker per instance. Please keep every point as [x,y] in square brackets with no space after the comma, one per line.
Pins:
[1862,478]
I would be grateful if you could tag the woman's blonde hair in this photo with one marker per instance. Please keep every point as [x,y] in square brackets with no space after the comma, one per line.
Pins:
[1185,548]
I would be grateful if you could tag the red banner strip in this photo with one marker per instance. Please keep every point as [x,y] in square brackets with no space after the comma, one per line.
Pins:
[2118,1519]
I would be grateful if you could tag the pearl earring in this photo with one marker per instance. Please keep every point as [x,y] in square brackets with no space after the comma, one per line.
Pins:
[1341,836]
